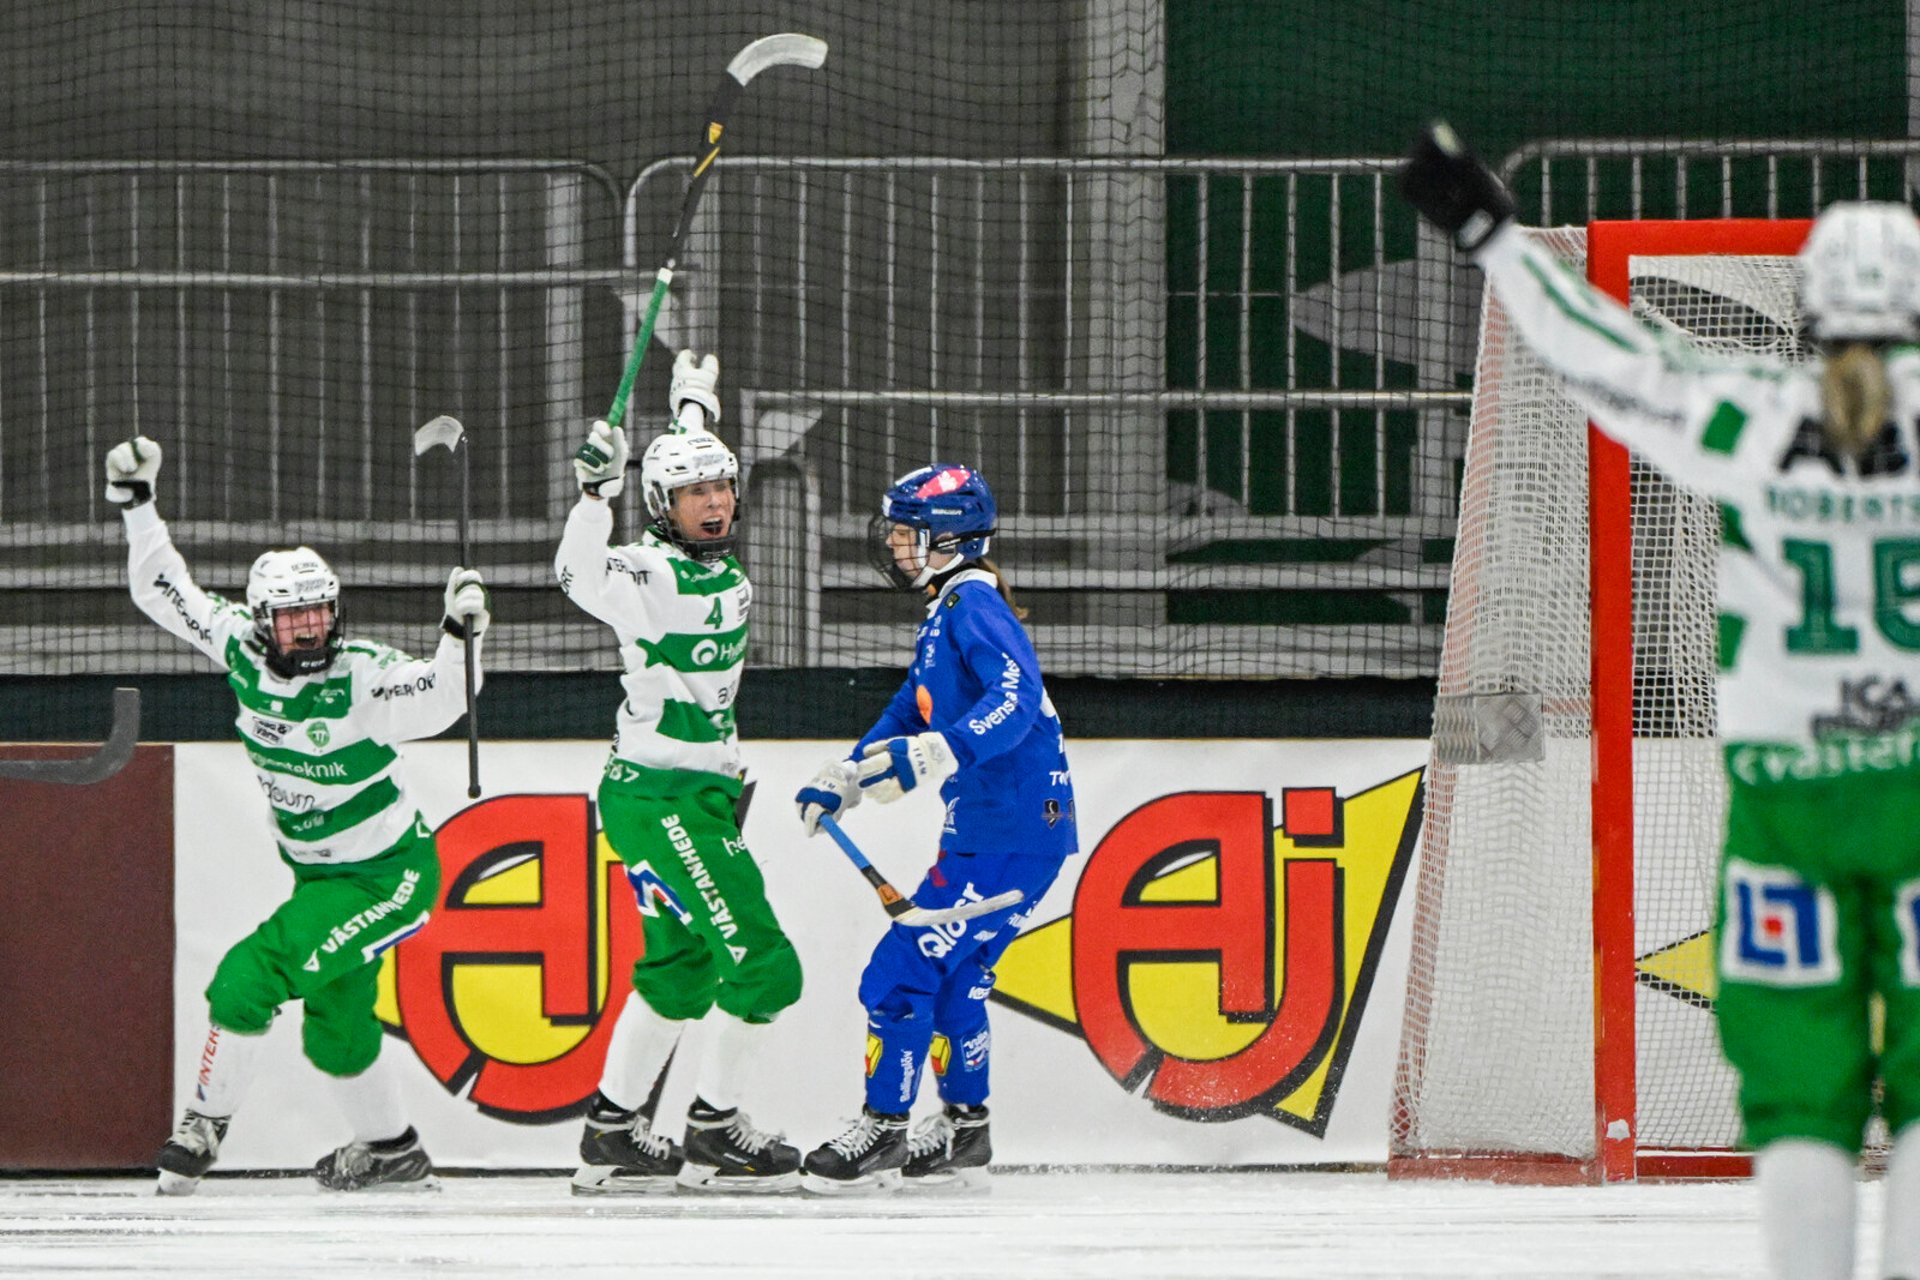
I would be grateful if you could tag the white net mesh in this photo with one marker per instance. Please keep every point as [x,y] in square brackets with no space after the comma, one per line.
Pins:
[1497,1052]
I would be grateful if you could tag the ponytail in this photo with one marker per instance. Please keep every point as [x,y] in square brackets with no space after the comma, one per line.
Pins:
[1006,588]
[1856,395]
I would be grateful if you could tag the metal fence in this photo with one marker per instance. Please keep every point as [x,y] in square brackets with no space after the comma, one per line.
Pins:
[1191,380]
[1146,356]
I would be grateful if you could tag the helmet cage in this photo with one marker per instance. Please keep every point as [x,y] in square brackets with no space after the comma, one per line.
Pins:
[675,461]
[880,552]
[297,579]
[950,509]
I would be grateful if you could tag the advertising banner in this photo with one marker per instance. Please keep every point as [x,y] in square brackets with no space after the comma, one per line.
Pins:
[1216,979]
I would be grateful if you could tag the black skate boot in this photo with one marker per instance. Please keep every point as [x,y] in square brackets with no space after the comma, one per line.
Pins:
[400,1164]
[867,1156]
[724,1152]
[620,1154]
[190,1152]
[950,1150]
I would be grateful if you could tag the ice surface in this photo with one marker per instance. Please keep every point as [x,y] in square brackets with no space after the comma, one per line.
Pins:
[1110,1225]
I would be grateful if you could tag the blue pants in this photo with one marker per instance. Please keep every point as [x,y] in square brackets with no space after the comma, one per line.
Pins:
[925,990]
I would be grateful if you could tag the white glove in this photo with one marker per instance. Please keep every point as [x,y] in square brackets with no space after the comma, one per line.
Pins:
[835,789]
[695,382]
[601,463]
[894,766]
[466,598]
[132,467]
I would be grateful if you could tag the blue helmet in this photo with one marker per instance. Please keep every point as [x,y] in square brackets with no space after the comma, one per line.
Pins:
[949,508]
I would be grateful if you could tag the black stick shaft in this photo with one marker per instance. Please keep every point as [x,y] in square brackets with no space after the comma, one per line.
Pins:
[466,562]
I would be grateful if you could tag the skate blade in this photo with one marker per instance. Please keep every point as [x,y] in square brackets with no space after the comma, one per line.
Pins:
[707,1179]
[175,1184]
[415,1186]
[883,1181]
[976,1179]
[606,1180]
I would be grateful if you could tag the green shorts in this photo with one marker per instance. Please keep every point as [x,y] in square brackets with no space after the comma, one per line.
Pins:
[322,947]
[1819,917]
[710,935]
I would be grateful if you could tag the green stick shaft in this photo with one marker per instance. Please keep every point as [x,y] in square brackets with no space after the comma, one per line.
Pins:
[617,414]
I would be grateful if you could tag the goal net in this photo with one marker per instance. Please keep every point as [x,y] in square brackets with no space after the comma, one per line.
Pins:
[1559,1022]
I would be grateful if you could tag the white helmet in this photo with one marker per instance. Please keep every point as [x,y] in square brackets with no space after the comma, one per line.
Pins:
[1860,274]
[295,579]
[674,461]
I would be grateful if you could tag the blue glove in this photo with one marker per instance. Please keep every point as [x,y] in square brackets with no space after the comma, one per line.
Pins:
[894,766]
[835,789]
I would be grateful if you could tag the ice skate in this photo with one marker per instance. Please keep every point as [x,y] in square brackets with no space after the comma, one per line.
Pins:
[724,1152]
[620,1154]
[868,1156]
[951,1149]
[190,1152]
[397,1163]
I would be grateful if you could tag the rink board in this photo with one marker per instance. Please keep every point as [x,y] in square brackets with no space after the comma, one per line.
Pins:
[1216,980]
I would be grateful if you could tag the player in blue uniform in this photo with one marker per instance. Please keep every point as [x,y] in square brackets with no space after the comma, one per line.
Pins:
[974,718]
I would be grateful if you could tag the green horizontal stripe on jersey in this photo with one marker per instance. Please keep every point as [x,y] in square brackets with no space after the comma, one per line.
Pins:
[326,700]
[345,767]
[1574,313]
[717,652]
[687,722]
[324,824]
[692,578]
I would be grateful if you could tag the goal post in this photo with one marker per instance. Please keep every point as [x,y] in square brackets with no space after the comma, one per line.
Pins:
[1559,1021]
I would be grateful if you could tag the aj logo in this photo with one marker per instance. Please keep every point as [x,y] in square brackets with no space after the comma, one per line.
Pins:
[515,989]
[1219,963]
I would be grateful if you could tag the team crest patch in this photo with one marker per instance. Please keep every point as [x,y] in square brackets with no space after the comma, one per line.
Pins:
[1781,931]
[1906,913]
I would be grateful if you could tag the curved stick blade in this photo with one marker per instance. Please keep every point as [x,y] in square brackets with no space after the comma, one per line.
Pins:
[440,430]
[788,49]
[98,767]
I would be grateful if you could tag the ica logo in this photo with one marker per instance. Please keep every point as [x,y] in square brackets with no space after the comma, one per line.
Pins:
[1221,946]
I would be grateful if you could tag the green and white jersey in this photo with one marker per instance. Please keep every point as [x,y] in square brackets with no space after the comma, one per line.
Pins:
[1819,567]
[322,746]
[682,627]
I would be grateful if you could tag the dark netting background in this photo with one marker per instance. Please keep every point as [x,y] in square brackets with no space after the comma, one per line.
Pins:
[1142,263]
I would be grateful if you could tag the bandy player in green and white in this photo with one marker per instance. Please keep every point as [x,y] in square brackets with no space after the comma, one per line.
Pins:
[320,717]
[1816,468]
[677,600]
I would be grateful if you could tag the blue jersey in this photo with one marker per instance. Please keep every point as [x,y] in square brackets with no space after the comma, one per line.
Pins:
[975,679]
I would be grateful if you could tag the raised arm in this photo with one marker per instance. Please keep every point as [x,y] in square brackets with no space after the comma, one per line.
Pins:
[408,698]
[1654,392]
[156,572]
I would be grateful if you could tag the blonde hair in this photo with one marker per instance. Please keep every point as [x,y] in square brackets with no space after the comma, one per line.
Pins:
[1006,587]
[1856,394]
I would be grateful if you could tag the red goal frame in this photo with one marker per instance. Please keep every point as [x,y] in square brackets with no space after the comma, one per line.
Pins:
[1610,246]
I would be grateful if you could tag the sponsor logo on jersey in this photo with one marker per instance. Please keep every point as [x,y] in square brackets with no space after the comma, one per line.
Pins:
[1782,931]
[1218,962]
[406,688]
[318,734]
